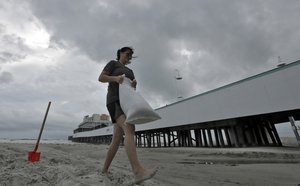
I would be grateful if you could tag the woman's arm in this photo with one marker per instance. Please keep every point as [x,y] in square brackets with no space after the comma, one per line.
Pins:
[105,77]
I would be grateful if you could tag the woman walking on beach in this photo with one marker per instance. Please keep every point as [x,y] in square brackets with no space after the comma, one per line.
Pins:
[112,73]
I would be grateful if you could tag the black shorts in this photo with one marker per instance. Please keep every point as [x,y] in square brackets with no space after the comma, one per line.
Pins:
[114,110]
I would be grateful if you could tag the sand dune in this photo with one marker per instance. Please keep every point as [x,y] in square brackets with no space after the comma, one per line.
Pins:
[80,165]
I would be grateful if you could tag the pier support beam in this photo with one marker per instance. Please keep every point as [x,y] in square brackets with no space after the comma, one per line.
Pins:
[292,121]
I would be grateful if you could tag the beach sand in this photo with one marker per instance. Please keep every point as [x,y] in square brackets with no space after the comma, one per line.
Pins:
[78,164]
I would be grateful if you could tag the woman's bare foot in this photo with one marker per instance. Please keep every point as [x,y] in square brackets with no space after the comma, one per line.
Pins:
[144,175]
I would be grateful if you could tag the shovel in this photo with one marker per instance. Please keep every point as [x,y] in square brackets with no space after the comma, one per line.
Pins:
[34,155]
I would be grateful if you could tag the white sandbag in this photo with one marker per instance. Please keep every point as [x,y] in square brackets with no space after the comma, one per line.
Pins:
[135,107]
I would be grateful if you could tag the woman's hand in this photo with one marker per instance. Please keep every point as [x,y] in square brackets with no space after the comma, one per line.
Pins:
[134,83]
[119,79]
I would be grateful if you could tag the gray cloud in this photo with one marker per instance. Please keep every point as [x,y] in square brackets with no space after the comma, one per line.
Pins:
[6,77]
[13,48]
[6,57]
[2,28]
[225,41]
[235,33]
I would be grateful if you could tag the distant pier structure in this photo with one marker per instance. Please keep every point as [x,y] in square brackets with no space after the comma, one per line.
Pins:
[91,124]
[240,114]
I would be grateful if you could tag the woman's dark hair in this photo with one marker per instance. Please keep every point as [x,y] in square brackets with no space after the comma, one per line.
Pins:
[124,49]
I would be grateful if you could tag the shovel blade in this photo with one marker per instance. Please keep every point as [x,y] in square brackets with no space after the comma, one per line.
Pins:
[34,156]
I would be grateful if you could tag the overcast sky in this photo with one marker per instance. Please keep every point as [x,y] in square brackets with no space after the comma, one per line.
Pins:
[54,50]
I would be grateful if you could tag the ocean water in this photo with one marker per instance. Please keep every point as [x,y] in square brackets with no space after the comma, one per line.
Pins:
[33,141]
[286,141]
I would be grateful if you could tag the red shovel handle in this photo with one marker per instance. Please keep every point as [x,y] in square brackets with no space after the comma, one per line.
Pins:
[42,128]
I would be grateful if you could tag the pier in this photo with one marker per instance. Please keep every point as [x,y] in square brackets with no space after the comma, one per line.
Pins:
[240,114]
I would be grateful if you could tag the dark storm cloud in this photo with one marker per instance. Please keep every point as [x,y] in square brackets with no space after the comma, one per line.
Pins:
[236,35]
[211,43]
